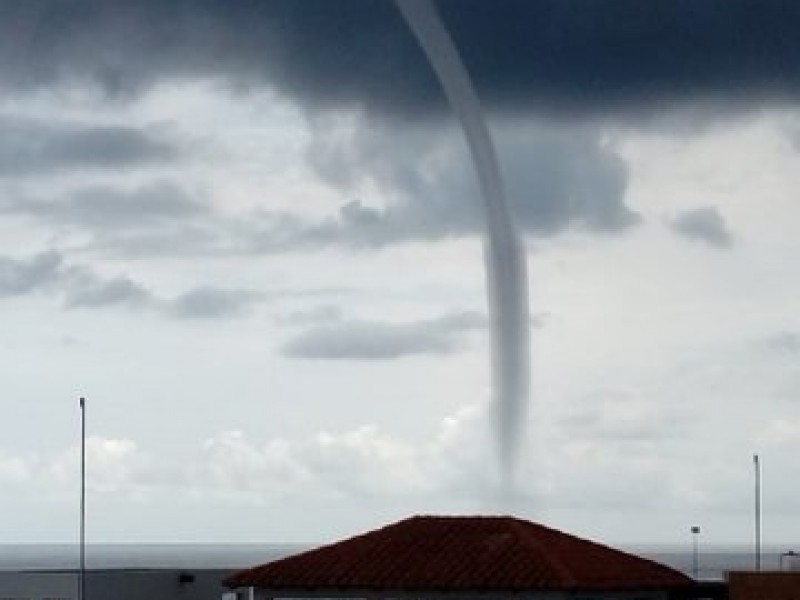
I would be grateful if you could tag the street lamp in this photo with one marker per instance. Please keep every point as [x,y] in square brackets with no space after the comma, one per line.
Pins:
[695,557]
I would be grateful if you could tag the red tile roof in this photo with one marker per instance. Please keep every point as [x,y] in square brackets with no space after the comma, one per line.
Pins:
[459,554]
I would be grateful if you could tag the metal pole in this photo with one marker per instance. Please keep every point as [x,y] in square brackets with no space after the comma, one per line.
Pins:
[82,573]
[695,554]
[757,466]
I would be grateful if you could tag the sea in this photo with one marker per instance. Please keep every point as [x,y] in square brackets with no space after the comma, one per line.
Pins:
[712,563]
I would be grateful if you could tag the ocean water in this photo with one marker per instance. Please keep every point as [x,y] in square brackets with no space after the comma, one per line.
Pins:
[713,562]
[141,556]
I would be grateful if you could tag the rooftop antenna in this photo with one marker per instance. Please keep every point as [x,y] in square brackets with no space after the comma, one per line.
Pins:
[82,550]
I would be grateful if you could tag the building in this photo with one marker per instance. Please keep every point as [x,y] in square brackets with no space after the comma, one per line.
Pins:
[114,584]
[463,557]
[764,585]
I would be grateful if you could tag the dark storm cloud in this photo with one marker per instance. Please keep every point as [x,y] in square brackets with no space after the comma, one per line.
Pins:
[32,146]
[551,55]
[705,224]
[318,51]
[355,339]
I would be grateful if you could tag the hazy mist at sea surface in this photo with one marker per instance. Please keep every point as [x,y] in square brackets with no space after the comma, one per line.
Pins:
[713,562]
[141,556]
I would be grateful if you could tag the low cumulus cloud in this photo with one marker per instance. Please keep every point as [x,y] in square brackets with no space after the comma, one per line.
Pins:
[458,464]
[117,466]
[15,469]
[241,468]
[705,224]
[356,339]
[365,461]
[454,467]
[780,434]
[231,465]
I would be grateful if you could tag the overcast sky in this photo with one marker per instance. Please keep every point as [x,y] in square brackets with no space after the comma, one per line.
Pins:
[250,234]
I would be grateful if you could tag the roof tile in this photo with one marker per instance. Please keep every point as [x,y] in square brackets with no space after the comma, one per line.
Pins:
[462,554]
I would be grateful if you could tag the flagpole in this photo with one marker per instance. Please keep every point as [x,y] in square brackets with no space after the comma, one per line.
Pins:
[757,466]
[82,573]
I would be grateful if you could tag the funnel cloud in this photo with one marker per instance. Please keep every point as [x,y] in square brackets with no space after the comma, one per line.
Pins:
[506,268]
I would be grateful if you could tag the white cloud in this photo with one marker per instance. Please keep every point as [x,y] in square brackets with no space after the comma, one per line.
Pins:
[366,462]
[113,466]
[231,466]
[15,470]
[781,435]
